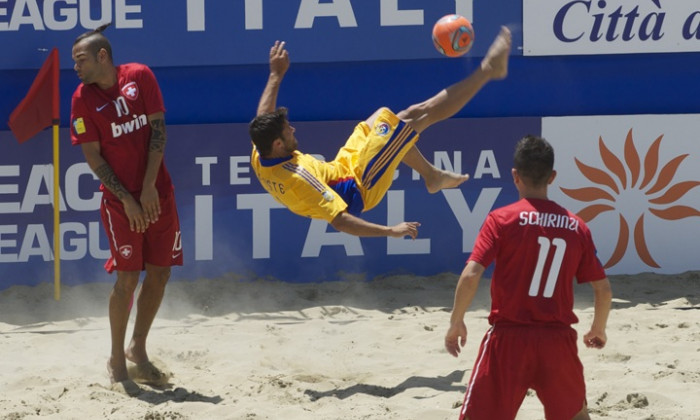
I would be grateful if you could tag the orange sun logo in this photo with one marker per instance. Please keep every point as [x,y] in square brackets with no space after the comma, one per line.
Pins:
[648,190]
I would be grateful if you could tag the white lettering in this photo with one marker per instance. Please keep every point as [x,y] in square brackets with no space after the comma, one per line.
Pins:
[395,215]
[121,12]
[487,165]
[195,16]
[310,9]
[41,175]
[86,20]
[69,16]
[390,15]
[19,18]
[260,204]
[7,243]
[9,171]
[204,227]
[253,14]
[38,233]
[206,163]
[470,220]
[72,186]
[318,236]
[237,169]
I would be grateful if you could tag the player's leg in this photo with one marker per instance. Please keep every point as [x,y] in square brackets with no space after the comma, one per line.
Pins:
[125,248]
[435,179]
[147,305]
[119,300]
[450,100]
[560,383]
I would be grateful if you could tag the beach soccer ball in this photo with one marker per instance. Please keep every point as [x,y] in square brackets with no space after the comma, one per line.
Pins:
[453,35]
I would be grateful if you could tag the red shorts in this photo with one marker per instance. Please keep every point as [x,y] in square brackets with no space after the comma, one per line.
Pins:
[160,245]
[514,358]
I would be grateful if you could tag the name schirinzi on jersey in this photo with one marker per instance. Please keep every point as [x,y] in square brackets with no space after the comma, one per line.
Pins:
[561,221]
[138,122]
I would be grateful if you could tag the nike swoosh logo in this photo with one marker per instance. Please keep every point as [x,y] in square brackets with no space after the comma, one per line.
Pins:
[100,108]
[177,255]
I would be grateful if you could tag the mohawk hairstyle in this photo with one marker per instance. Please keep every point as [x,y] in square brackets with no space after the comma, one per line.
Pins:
[96,40]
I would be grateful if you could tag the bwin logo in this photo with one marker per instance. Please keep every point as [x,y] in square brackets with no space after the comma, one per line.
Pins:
[137,123]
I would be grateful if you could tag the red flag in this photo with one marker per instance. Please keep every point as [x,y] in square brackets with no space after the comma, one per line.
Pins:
[39,109]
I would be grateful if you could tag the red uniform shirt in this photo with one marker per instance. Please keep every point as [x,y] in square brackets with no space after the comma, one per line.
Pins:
[117,118]
[538,247]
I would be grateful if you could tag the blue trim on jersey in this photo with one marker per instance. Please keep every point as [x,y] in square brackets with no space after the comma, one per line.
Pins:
[347,190]
[274,161]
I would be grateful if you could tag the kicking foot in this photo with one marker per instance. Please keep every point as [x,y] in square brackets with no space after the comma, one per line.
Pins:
[443,180]
[149,374]
[495,63]
[127,387]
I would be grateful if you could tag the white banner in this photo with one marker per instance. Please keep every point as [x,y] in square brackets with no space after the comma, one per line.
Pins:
[573,27]
[635,180]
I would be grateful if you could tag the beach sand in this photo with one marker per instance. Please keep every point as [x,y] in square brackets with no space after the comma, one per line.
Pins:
[351,349]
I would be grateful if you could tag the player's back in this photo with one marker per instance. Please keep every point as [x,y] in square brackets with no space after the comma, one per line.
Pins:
[540,248]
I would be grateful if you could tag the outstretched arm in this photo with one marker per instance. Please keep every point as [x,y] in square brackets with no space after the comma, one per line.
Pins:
[467,286]
[279,63]
[346,222]
[602,296]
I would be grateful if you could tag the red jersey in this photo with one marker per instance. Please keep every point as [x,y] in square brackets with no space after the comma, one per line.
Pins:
[538,247]
[117,118]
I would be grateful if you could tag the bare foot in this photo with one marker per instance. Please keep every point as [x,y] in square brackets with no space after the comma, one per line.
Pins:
[495,63]
[116,371]
[443,180]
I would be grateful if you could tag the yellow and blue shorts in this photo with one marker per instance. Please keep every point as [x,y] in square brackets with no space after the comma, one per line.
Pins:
[372,155]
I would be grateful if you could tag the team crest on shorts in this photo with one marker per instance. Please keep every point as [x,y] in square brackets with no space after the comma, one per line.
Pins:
[382,129]
[328,196]
[126,251]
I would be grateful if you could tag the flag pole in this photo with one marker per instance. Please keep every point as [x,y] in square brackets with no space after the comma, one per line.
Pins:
[56,120]
[56,219]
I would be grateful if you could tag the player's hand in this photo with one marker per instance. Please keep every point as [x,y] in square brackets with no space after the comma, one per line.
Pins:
[150,203]
[405,229]
[279,59]
[595,339]
[456,338]
[137,218]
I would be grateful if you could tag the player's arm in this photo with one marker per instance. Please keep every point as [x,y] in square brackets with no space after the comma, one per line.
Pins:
[602,298]
[94,159]
[346,222]
[150,201]
[467,286]
[279,63]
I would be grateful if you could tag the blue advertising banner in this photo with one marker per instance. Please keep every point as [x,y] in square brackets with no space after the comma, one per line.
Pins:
[167,33]
[231,226]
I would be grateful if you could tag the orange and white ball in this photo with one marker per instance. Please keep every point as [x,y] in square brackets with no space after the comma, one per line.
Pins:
[453,35]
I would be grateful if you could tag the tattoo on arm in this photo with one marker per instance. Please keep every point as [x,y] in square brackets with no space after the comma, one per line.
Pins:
[158,136]
[110,180]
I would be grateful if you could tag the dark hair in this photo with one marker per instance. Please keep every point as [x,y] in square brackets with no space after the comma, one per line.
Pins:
[534,159]
[96,41]
[266,128]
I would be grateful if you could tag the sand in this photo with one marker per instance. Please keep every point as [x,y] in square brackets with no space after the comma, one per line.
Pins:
[352,349]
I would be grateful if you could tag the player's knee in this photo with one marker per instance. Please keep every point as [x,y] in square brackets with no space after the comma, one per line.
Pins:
[373,117]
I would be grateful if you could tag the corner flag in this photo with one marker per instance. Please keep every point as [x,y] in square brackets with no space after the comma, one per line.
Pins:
[40,108]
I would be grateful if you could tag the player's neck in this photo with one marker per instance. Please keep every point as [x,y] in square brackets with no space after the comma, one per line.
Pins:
[108,79]
[536,193]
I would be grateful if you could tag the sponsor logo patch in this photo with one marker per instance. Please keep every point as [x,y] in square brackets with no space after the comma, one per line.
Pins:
[79,126]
